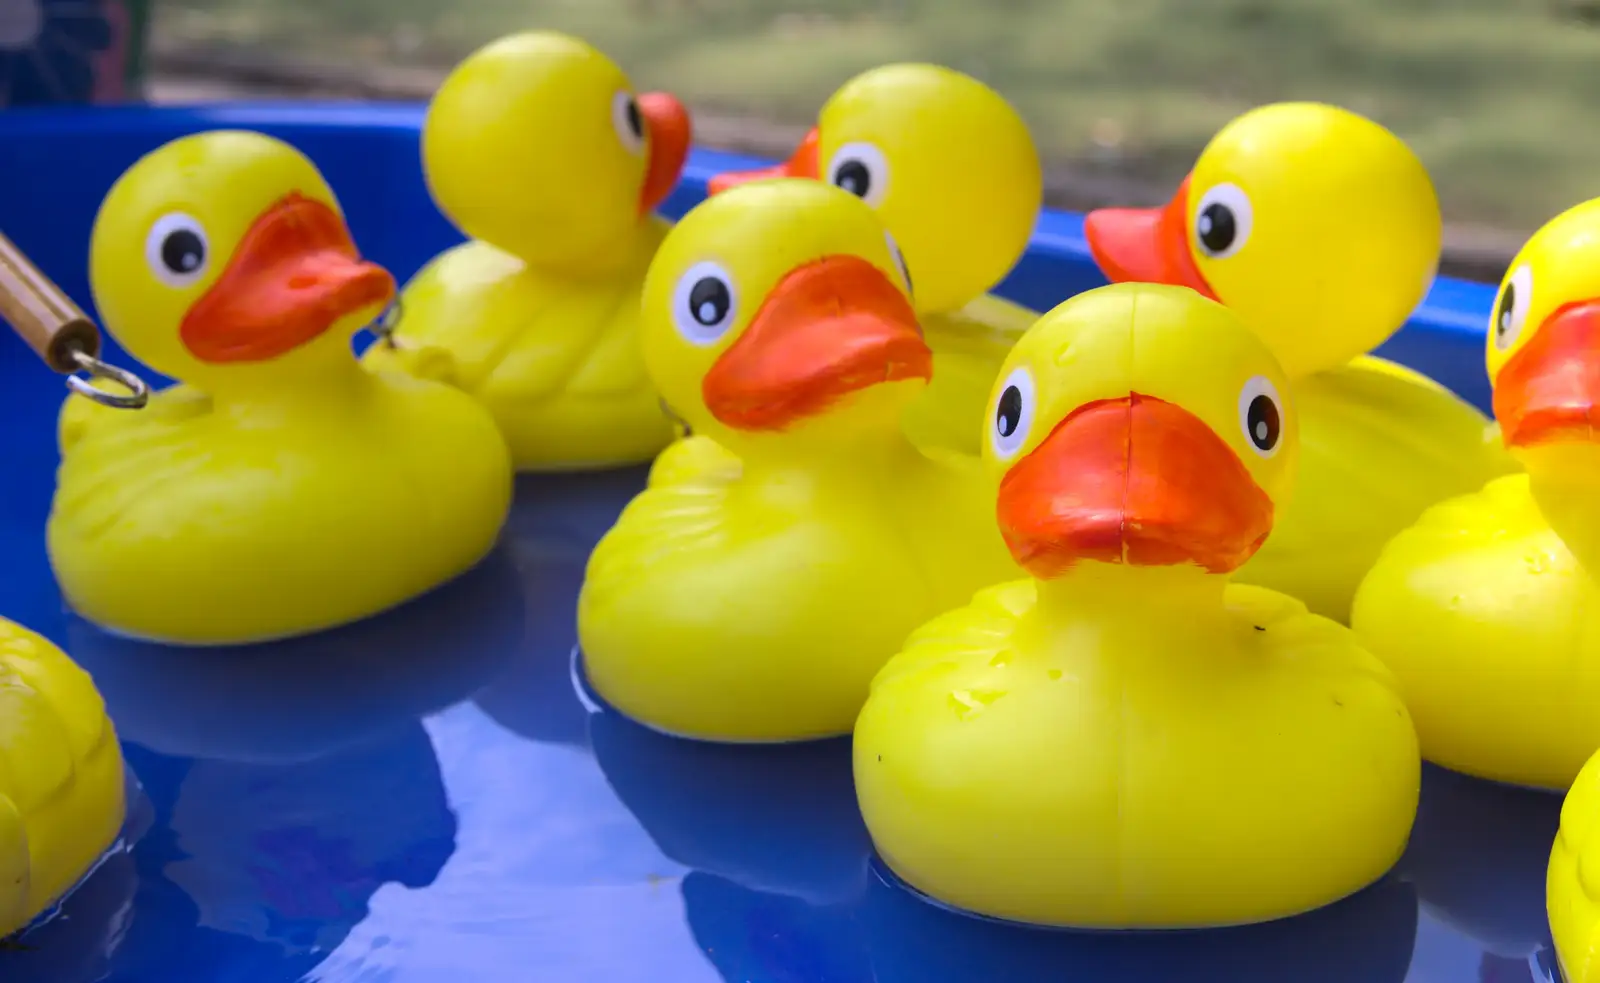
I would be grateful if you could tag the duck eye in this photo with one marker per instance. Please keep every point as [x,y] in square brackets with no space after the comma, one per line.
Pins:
[1261,415]
[175,250]
[628,121]
[860,169]
[1013,413]
[704,303]
[1222,221]
[899,260]
[1512,310]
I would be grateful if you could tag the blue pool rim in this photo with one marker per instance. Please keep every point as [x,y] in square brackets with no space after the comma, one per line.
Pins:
[354,145]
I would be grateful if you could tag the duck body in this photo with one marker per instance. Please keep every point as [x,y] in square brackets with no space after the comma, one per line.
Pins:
[1375,433]
[538,149]
[554,360]
[782,551]
[968,346]
[62,798]
[1263,749]
[754,603]
[1572,884]
[1321,229]
[1102,744]
[322,492]
[327,509]
[1485,608]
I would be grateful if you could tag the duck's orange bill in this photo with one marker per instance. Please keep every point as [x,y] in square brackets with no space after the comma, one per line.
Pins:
[802,163]
[1146,245]
[1550,389]
[1134,480]
[829,328]
[671,132]
[295,273]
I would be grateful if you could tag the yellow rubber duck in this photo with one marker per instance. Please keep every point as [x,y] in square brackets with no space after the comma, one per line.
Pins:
[62,800]
[1487,608]
[284,489]
[952,169]
[1128,740]
[537,147]
[1572,884]
[1322,230]
[754,602]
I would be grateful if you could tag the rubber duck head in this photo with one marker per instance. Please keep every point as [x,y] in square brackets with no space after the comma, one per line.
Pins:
[1318,226]
[782,308]
[1543,352]
[537,143]
[223,257]
[945,160]
[1143,426]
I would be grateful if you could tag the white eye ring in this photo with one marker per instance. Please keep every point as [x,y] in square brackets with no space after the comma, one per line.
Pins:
[1261,416]
[1511,307]
[1222,221]
[899,260]
[1013,413]
[704,303]
[628,121]
[855,164]
[177,250]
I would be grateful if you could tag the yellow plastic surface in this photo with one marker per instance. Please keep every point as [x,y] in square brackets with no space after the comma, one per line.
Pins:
[750,594]
[1573,883]
[1486,608]
[1344,238]
[62,800]
[539,313]
[260,499]
[1138,746]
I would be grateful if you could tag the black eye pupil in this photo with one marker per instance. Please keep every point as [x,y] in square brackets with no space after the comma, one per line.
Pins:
[853,176]
[1009,413]
[635,121]
[1262,422]
[709,301]
[1216,227]
[183,251]
[1508,310]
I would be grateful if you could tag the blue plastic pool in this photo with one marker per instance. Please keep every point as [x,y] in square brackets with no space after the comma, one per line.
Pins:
[427,798]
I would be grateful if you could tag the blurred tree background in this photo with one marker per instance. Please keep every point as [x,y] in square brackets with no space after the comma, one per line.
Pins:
[1497,96]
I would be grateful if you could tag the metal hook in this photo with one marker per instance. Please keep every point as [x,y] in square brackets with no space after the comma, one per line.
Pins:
[387,323]
[138,393]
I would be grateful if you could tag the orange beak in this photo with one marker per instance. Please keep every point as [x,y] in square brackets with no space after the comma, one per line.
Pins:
[832,327]
[294,275]
[1146,245]
[802,163]
[1134,480]
[1550,389]
[667,122]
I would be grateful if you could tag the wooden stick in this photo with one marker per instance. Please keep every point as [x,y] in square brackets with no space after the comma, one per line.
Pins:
[42,314]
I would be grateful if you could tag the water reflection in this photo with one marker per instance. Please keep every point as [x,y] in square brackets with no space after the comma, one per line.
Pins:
[1366,937]
[1478,856]
[558,520]
[291,780]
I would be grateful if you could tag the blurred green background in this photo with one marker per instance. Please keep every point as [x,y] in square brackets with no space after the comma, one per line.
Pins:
[1498,96]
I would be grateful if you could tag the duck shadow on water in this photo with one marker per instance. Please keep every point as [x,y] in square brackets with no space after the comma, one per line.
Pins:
[785,888]
[1478,856]
[290,780]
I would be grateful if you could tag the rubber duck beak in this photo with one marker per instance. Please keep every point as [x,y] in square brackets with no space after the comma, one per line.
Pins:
[1550,389]
[294,275]
[1135,480]
[670,135]
[1146,245]
[832,327]
[802,163]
